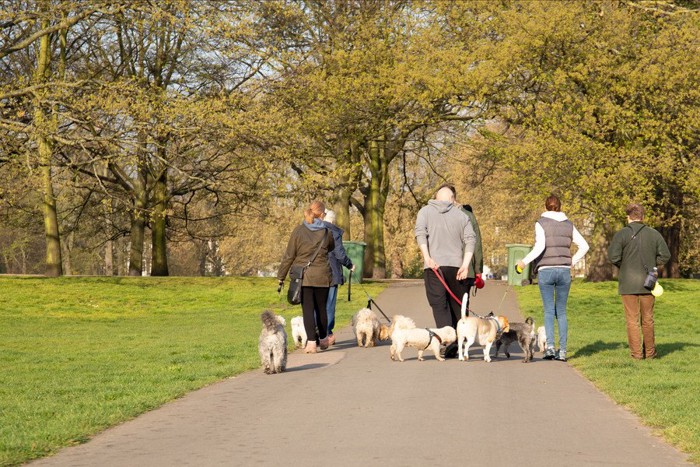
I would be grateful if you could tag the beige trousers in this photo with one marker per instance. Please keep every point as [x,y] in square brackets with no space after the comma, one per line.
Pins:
[636,307]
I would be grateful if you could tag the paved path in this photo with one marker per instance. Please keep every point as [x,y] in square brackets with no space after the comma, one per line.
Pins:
[352,406]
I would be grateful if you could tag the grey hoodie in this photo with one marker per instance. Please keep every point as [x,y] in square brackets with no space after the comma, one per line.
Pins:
[446,230]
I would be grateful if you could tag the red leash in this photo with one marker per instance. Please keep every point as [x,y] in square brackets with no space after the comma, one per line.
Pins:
[438,273]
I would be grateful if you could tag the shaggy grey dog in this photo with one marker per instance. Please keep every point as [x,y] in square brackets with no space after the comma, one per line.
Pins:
[524,334]
[272,344]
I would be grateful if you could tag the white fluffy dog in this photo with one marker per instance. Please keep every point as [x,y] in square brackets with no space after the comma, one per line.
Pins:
[368,330]
[541,338]
[272,344]
[422,339]
[299,332]
[483,331]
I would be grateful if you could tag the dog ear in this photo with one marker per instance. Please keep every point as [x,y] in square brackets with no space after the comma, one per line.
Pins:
[491,313]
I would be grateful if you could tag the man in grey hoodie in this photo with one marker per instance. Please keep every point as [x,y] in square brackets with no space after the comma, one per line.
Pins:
[446,240]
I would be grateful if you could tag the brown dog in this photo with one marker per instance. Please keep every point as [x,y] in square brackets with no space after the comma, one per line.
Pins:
[483,331]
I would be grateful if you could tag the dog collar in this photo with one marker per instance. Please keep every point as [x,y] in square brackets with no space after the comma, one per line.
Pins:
[431,334]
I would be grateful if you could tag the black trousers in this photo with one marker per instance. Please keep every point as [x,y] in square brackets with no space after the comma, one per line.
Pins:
[446,310]
[313,305]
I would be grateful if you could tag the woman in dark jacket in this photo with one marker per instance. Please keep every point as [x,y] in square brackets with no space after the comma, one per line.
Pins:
[337,258]
[302,245]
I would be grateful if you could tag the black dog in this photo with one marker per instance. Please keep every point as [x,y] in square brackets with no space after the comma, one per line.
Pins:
[524,334]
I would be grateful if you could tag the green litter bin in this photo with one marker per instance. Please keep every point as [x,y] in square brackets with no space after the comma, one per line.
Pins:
[516,252]
[356,253]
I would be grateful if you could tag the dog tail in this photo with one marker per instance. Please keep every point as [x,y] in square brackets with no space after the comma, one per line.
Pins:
[465,299]
[269,320]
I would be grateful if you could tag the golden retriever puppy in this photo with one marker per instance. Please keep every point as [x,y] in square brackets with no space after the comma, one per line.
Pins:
[483,331]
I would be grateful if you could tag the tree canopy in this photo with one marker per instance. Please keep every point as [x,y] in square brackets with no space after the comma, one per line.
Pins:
[207,125]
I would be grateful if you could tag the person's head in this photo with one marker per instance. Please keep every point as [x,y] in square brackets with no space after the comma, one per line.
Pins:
[446,193]
[552,203]
[314,211]
[635,212]
[330,216]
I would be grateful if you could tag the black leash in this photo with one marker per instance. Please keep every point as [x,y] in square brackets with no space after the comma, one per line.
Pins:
[371,301]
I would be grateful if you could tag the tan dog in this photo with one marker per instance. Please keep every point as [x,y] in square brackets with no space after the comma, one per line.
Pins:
[483,331]
[368,330]
[422,339]
[541,338]
[299,332]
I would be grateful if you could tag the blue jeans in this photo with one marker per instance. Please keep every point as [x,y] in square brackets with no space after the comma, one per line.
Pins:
[554,289]
[330,307]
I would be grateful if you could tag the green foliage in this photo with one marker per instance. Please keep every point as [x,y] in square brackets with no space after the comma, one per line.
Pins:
[663,391]
[81,354]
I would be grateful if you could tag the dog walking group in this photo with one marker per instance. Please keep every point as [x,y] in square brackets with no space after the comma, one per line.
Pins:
[450,242]
[403,332]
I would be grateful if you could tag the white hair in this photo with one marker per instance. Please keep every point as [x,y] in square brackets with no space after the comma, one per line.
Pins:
[330,216]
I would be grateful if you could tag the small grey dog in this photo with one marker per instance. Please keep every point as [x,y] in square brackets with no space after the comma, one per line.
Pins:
[524,334]
[272,344]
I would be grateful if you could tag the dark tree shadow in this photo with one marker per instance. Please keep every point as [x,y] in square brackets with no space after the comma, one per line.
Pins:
[598,346]
[663,349]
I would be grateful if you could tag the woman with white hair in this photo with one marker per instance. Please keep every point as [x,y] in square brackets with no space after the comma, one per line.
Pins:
[336,259]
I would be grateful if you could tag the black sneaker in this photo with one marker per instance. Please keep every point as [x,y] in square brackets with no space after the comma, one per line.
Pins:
[451,351]
[561,355]
[549,354]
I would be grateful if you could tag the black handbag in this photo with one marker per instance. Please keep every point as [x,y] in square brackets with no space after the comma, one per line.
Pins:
[296,277]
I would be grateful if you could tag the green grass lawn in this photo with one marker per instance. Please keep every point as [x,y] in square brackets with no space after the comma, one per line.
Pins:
[664,392]
[78,355]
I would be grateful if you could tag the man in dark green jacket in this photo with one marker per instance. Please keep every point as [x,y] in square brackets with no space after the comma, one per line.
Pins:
[637,250]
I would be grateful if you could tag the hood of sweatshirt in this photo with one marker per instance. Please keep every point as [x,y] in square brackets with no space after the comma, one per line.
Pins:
[441,206]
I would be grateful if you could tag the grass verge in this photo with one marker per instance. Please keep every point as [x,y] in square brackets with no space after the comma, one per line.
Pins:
[78,355]
[663,392]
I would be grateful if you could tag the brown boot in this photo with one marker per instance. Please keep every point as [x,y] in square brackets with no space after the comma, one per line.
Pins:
[324,343]
[310,347]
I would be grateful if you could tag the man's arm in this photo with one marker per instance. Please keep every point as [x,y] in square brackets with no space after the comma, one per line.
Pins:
[469,242]
[615,250]
[663,254]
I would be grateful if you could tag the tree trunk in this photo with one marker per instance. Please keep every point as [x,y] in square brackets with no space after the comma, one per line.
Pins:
[109,258]
[159,263]
[600,269]
[138,226]
[672,235]
[672,232]
[341,206]
[67,247]
[44,145]
[375,260]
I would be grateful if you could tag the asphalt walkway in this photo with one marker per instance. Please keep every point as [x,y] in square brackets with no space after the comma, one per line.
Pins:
[353,406]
